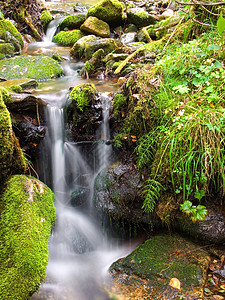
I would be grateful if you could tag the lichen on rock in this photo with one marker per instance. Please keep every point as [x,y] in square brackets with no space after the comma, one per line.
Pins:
[72,22]
[95,26]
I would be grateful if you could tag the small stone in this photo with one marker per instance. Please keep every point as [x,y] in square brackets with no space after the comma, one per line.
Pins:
[121,80]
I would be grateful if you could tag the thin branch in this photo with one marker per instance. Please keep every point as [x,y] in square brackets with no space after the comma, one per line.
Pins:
[204,24]
[203,3]
[202,6]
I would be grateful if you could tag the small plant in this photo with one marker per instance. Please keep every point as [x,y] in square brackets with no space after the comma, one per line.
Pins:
[196,213]
[151,192]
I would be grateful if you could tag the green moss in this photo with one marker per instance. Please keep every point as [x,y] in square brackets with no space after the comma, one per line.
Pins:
[10,34]
[95,26]
[72,22]
[57,57]
[119,103]
[79,47]
[27,215]
[45,18]
[11,156]
[67,38]
[6,50]
[5,95]
[39,67]
[110,11]
[82,95]
[16,89]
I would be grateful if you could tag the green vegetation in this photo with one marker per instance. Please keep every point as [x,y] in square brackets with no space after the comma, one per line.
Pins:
[67,38]
[46,18]
[39,67]
[6,50]
[83,95]
[27,214]
[10,34]
[175,111]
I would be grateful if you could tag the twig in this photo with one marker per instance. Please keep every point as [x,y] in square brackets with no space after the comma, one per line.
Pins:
[38,119]
[203,3]
[204,24]
[33,170]
[172,35]
[202,6]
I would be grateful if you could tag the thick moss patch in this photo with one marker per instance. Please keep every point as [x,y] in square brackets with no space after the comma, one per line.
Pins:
[83,95]
[6,50]
[46,18]
[39,67]
[72,22]
[67,38]
[27,215]
[10,34]
[110,11]
[159,260]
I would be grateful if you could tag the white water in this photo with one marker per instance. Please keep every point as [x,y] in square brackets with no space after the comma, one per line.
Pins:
[79,254]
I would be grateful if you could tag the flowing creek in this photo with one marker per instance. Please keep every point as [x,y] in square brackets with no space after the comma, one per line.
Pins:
[79,253]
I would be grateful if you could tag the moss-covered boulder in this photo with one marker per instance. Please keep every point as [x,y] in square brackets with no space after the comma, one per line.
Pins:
[6,50]
[95,26]
[35,67]
[10,34]
[27,214]
[84,112]
[24,83]
[86,47]
[67,38]
[164,267]
[140,17]
[11,156]
[45,18]
[72,22]
[110,11]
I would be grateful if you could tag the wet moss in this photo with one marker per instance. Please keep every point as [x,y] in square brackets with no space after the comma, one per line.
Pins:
[67,38]
[6,50]
[46,18]
[11,156]
[82,95]
[39,67]
[5,95]
[27,215]
[110,11]
[10,34]
[72,22]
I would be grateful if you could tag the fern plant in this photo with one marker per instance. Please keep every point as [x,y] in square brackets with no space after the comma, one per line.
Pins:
[151,193]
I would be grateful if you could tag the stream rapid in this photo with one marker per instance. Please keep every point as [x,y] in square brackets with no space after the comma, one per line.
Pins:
[79,253]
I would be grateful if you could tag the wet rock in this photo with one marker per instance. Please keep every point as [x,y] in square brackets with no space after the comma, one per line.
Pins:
[93,25]
[127,38]
[139,17]
[72,22]
[83,112]
[24,83]
[152,268]
[110,11]
[79,196]
[11,156]
[212,229]
[117,192]
[87,46]
[35,67]
[68,38]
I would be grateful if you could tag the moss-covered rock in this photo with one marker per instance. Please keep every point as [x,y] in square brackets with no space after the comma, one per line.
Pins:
[5,95]
[6,50]
[39,67]
[45,18]
[110,11]
[10,34]
[95,26]
[84,112]
[67,38]
[139,17]
[11,156]
[72,22]
[148,270]
[27,215]
[86,47]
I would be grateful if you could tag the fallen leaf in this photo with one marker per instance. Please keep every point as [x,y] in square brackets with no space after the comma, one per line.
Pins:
[174,283]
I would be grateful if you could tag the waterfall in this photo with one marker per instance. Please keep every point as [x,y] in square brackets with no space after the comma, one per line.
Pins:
[51,30]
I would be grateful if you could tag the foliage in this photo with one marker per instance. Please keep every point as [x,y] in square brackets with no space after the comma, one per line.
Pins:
[27,215]
[45,18]
[151,192]
[196,212]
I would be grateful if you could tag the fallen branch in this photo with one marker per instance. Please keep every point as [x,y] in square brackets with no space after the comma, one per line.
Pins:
[202,3]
